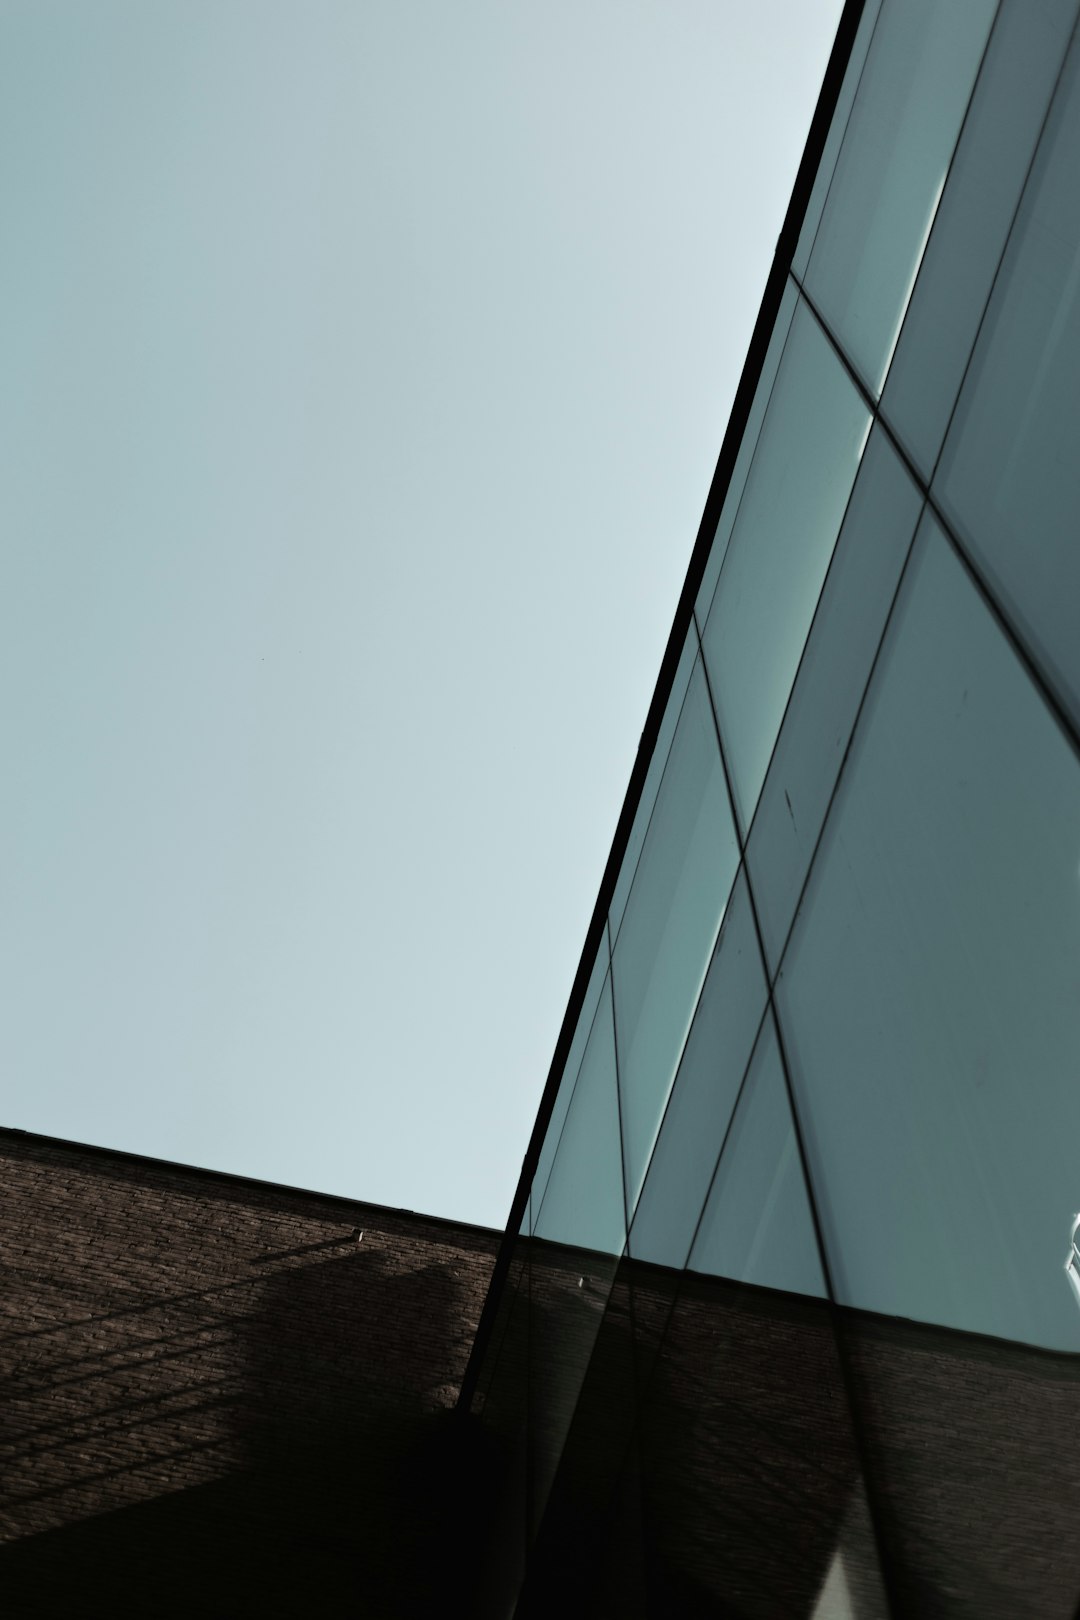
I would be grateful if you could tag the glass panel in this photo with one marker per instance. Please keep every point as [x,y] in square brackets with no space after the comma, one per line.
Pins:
[750,1471]
[710,1074]
[891,172]
[833,141]
[846,633]
[583,1201]
[929,990]
[672,917]
[580,1232]
[970,1447]
[575,1534]
[569,1294]
[791,513]
[747,446]
[569,1075]
[652,781]
[1010,472]
[757,1226]
[962,255]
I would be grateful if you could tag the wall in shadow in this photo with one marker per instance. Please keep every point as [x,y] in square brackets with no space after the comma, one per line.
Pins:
[223,1400]
[734,1451]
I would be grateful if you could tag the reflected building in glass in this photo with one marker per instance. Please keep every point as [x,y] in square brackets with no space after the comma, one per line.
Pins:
[786,1322]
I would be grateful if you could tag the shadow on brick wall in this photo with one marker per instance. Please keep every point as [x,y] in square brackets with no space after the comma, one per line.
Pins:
[347,1482]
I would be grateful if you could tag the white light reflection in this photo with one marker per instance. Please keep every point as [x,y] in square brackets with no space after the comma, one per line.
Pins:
[862,444]
[1072,1264]
[834,1599]
[915,268]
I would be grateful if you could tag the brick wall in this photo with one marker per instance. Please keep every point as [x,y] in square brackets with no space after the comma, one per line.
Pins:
[707,1449]
[226,1398]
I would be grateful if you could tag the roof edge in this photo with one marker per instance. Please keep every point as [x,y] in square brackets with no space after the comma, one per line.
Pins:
[13,1135]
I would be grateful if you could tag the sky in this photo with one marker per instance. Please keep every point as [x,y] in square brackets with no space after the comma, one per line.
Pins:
[363,370]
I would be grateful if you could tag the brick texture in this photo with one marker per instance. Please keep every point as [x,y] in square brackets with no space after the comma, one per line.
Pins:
[226,1398]
[705,1449]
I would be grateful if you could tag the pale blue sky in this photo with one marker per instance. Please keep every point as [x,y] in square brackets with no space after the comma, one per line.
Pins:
[363,368]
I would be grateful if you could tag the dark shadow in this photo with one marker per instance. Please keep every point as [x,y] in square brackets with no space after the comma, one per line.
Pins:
[731,1451]
[349,1484]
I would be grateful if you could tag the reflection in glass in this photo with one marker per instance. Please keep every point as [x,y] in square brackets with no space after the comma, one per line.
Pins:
[578,1235]
[583,1201]
[929,990]
[971,226]
[757,1226]
[750,1470]
[1072,1261]
[687,865]
[653,778]
[1010,472]
[847,629]
[710,1074]
[811,443]
[891,172]
[747,446]
[571,1068]
[823,178]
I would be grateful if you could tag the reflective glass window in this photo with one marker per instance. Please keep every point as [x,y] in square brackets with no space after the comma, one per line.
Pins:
[652,781]
[798,487]
[751,1483]
[706,1086]
[819,191]
[970,230]
[747,446]
[580,1232]
[673,914]
[1010,473]
[592,1447]
[847,629]
[998,1450]
[757,1226]
[891,172]
[570,1072]
[583,1201]
[929,989]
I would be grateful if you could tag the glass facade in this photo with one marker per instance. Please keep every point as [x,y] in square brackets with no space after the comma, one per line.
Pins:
[787,1323]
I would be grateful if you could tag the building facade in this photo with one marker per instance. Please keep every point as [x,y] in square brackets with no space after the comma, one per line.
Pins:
[786,1321]
[783,1323]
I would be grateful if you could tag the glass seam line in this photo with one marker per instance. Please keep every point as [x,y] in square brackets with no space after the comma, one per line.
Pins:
[608,976]
[771,977]
[869,1486]
[1008,239]
[712,954]
[790,277]
[740,869]
[641,1391]
[616,1258]
[937,211]
[843,138]
[693,1013]
[730,1124]
[750,376]
[986,591]
[659,785]
[769,1003]
[618,1087]
[806,638]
